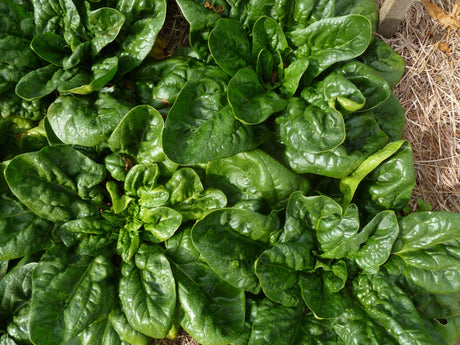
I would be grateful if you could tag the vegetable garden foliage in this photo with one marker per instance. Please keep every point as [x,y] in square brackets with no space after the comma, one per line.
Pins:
[248,189]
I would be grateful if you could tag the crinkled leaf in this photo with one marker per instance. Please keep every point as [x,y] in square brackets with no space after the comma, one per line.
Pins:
[148,292]
[389,306]
[102,72]
[314,130]
[390,185]
[230,241]
[349,184]
[41,82]
[213,310]
[57,183]
[16,51]
[389,64]
[104,23]
[229,45]
[86,121]
[381,233]
[144,20]
[69,293]
[201,126]
[331,40]
[141,177]
[250,103]
[161,222]
[50,47]
[256,177]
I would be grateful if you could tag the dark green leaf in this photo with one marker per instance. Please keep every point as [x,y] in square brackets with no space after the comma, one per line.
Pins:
[50,47]
[57,183]
[250,103]
[230,240]
[69,293]
[105,24]
[86,121]
[148,292]
[229,45]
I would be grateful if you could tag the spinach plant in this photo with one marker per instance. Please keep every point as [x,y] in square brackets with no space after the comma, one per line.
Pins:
[250,189]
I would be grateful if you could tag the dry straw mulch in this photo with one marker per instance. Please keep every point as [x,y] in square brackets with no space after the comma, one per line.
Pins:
[429,93]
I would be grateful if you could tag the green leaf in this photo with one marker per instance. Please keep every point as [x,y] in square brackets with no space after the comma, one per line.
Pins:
[276,324]
[374,87]
[86,121]
[314,130]
[268,34]
[22,233]
[105,24]
[429,246]
[50,47]
[389,306]
[390,185]
[141,177]
[57,183]
[292,76]
[254,177]
[213,310]
[331,40]
[277,269]
[381,232]
[324,302]
[389,64]
[367,8]
[229,45]
[390,116]
[148,292]
[69,293]
[41,82]
[230,241]
[250,103]
[144,20]
[349,184]
[16,51]
[161,222]
[139,134]
[201,127]
[101,73]
[128,240]
[202,21]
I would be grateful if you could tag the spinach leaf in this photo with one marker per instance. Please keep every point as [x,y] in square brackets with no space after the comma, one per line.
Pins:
[57,183]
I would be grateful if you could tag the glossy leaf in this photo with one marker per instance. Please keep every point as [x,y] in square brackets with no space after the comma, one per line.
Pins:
[314,130]
[144,20]
[250,103]
[391,117]
[16,51]
[331,40]
[148,292]
[57,183]
[69,293]
[200,113]
[367,8]
[381,232]
[230,241]
[229,45]
[389,306]
[41,82]
[254,177]
[161,222]
[213,310]
[86,121]
[50,47]
[105,24]
[385,61]
[102,72]
[390,185]
[429,246]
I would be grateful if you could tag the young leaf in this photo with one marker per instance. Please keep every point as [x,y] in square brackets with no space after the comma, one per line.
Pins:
[229,45]
[250,103]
